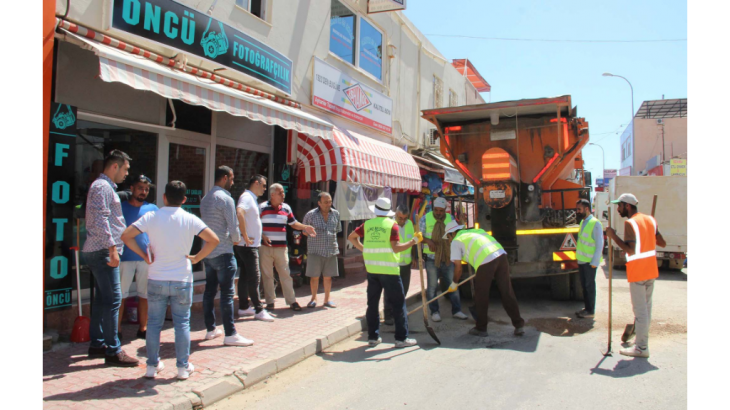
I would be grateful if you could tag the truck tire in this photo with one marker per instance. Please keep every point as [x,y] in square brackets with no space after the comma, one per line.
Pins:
[560,287]
[577,289]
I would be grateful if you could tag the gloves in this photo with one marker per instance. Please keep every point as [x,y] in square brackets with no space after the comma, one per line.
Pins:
[453,287]
[418,237]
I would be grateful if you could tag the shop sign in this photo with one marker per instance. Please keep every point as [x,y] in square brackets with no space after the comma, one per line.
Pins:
[380,6]
[657,171]
[59,258]
[173,25]
[608,174]
[678,167]
[334,91]
[600,182]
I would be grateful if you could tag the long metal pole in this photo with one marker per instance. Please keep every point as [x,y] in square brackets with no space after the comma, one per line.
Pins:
[633,126]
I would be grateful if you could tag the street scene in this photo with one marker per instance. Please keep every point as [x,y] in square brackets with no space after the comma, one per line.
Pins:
[356,204]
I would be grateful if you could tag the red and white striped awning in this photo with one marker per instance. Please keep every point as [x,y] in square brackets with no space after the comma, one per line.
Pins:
[143,74]
[352,157]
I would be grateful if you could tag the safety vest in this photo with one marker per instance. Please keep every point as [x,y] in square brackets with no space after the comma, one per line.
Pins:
[480,247]
[642,265]
[406,235]
[430,223]
[586,246]
[377,251]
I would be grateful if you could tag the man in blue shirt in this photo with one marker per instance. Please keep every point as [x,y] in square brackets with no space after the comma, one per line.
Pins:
[132,264]
[590,236]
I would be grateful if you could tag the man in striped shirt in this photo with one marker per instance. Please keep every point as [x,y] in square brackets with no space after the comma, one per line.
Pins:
[275,216]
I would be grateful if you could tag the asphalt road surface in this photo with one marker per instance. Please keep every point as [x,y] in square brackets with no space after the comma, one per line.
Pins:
[557,364]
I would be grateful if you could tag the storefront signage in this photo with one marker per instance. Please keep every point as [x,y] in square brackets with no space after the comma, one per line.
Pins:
[609,174]
[657,171]
[190,31]
[678,167]
[600,182]
[59,258]
[379,6]
[336,92]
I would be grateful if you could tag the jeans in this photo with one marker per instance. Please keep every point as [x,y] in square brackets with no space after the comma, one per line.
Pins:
[587,275]
[641,295]
[180,297]
[105,315]
[220,271]
[446,272]
[249,279]
[405,277]
[393,288]
[498,270]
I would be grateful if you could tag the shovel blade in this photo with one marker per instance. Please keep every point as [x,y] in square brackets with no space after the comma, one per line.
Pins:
[432,333]
[80,332]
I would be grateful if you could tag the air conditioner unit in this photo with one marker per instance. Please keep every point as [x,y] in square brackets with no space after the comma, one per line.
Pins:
[660,121]
[432,138]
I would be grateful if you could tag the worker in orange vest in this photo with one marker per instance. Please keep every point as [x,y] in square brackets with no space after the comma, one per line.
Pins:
[641,237]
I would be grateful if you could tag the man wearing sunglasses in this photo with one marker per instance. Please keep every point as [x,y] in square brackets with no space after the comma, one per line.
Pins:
[132,264]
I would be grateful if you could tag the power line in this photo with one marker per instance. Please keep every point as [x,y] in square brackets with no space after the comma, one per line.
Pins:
[543,40]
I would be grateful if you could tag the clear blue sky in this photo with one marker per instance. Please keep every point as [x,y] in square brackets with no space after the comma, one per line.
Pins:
[517,69]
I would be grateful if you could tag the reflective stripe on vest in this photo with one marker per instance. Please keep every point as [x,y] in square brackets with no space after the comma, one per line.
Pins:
[481,248]
[430,223]
[586,246]
[642,265]
[406,235]
[377,251]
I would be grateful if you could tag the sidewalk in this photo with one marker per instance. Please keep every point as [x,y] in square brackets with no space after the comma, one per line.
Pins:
[71,381]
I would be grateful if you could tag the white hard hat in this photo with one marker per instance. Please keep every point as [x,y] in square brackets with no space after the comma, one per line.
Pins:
[382,207]
[452,226]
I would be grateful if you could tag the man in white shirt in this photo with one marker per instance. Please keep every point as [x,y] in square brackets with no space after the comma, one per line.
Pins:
[247,251]
[171,231]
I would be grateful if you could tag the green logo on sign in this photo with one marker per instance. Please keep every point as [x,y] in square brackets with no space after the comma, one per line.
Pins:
[214,44]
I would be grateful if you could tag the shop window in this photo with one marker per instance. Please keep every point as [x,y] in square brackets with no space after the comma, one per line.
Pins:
[371,49]
[255,7]
[245,164]
[189,117]
[342,32]
[350,32]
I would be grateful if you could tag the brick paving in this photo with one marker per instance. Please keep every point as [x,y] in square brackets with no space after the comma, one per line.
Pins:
[72,381]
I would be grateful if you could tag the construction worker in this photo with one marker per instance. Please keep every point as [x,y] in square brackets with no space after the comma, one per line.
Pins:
[381,254]
[438,262]
[641,237]
[588,253]
[489,260]
[405,232]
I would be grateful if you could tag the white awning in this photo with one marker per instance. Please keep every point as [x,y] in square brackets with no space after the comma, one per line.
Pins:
[142,74]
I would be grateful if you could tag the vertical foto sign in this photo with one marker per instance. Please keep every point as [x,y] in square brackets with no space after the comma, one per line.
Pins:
[59,257]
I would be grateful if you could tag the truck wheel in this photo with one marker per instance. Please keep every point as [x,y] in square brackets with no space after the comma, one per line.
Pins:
[576,287]
[560,287]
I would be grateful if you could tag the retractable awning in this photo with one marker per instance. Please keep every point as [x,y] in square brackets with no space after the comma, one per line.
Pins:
[143,74]
[352,157]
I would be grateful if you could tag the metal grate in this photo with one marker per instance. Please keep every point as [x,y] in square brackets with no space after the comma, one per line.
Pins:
[676,108]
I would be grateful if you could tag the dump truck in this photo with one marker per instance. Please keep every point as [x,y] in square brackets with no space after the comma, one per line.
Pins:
[524,158]
[670,213]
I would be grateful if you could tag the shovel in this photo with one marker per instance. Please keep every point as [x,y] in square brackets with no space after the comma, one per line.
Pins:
[430,330]
[608,351]
[80,332]
[436,297]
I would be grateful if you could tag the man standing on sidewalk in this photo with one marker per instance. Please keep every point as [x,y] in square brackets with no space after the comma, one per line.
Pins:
[489,260]
[275,216]
[322,250]
[381,252]
[171,231]
[405,231]
[641,237]
[247,252]
[132,264]
[588,252]
[438,261]
[218,211]
[104,227]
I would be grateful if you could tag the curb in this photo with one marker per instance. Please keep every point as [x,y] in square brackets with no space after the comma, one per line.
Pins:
[223,387]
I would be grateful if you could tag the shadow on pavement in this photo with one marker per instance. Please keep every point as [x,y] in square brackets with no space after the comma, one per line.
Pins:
[116,389]
[664,274]
[383,352]
[625,368]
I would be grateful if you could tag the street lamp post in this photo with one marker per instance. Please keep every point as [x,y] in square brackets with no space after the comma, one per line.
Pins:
[603,159]
[633,135]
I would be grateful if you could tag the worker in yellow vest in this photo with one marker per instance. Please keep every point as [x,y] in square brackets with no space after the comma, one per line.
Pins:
[381,252]
[641,237]
[588,253]
[405,231]
[438,262]
[489,260]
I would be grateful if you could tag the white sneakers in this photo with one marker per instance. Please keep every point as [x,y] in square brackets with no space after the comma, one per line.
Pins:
[373,343]
[436,317]
[460,316]
[184,373]
[152,370]
[237,340]
[248,312]
[635,351]
[399,344]
[212,335]
[264,316]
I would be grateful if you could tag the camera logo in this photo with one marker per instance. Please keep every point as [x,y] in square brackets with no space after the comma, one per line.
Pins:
[214,44]
[62,120]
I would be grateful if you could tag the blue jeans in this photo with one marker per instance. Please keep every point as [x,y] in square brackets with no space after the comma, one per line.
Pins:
[220,271]
[392,286]
[446,272]
[105,315]
[180,297]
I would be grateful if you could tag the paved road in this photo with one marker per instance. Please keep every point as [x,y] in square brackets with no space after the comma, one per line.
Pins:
[557,365]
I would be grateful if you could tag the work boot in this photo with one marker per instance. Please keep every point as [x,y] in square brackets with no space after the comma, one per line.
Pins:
[476,332]
[121,359]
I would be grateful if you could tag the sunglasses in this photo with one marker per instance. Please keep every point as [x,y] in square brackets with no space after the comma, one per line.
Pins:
[143,178]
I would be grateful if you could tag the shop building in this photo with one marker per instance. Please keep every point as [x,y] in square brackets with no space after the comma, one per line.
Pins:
[315,95]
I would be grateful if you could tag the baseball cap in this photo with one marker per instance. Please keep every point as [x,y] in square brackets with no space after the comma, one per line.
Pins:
[451,227]
[627,198]
[439,203]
